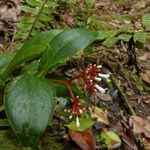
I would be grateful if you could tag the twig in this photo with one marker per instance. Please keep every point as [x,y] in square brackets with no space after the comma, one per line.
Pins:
[40,10]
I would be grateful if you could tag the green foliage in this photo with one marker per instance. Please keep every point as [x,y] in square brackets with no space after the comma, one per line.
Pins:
[30,100]
[85,123]
[111,139]
[31,49]
[140,37]
[64,46]
[29,105]
[31,9]
[146,21]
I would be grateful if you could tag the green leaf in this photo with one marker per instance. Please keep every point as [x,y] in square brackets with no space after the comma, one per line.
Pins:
[31,68]
[106,34]
[5,59]
[85,123]
[52,4]
[140,37]
[33,2]
[64,46]
[29,105]
[31,49]
[110,42]
[146,21]
[124,37]
[111,139]
[28,9]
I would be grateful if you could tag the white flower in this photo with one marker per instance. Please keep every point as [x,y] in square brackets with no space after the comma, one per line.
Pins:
[102,90]
[99,66]
[98,79]
[77,122]
[70,117]
[106,76]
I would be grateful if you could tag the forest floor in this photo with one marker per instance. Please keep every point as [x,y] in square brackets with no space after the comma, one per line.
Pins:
[127,103]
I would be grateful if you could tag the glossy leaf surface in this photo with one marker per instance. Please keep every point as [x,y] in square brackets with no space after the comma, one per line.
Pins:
[64,46]
[29,105]
[31,49]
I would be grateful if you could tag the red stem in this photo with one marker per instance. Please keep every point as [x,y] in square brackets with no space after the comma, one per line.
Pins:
[67,83]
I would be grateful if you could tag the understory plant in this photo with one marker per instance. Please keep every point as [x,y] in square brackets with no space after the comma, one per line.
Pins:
[31,95]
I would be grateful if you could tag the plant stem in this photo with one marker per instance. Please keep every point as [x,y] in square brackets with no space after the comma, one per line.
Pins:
[68,87]
[38,14]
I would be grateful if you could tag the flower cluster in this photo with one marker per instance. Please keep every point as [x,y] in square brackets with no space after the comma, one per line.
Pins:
[90,76]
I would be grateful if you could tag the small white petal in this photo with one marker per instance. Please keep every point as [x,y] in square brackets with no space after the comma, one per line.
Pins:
[70,117]
[98,79]
[100,89]
[77,97]
[80,111]
[99,66]
[77,122]
[104,75]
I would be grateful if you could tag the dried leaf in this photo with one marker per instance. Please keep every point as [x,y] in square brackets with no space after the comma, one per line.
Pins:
[146,76]
[140,125]
[85,140]
[100,115]
[130,143]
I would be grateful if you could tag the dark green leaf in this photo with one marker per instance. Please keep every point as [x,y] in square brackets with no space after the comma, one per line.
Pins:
[146,21]
[31,49]
[29,105]
[31,68]
[5,59]
[140,37]
[85,123]
[64,46]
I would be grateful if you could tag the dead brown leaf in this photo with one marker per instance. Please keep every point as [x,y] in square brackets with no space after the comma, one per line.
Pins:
[100,115]
[140,125]
[85,140]
[146,76]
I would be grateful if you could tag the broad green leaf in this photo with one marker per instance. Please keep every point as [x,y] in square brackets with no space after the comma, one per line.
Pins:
[64,46]
[29,105]
[85,123]
[31,49]
[5,59]
[124,37]
[110,42]
[111,139]
[140,37]
[146,21]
